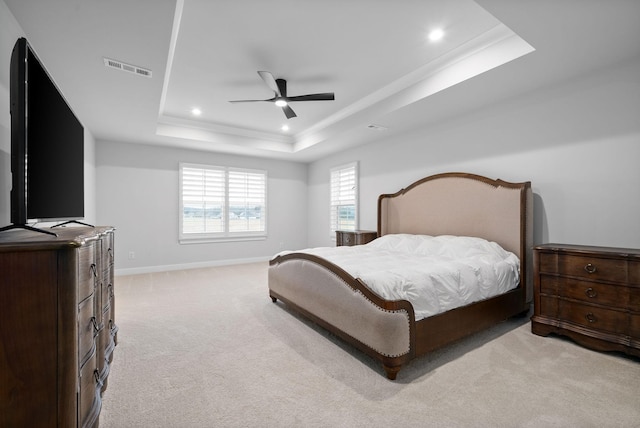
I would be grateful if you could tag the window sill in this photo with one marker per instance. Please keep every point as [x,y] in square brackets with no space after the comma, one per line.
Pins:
[210,240]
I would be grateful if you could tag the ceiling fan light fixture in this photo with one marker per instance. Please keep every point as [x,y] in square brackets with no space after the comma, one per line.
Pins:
[436,34]
[281,102]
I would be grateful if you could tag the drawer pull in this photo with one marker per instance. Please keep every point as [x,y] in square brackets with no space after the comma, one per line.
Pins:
[591,293]
[94,321]
[93,269]
[96,376]
[590,268]
[591,318]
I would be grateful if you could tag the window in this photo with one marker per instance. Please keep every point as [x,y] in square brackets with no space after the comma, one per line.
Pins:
[222,203]
[344,198]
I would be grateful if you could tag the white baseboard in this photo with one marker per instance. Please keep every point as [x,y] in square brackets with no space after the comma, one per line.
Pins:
[182,266]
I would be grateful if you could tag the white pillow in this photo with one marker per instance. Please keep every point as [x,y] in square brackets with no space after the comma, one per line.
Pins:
[449,246]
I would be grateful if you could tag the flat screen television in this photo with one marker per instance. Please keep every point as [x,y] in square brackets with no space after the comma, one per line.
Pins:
[47,145]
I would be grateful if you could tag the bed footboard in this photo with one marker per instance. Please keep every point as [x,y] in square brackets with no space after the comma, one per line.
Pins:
[332,298]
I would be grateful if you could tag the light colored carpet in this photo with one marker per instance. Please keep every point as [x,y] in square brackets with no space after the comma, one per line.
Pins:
[208,348]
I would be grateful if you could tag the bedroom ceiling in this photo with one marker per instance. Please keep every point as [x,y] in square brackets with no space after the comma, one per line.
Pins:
[375,56]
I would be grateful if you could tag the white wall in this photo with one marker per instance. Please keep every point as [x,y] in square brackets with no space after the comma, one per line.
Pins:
[577,142]
[138,194]
[10,31]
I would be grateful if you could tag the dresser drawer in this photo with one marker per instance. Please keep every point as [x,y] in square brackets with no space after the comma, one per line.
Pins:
[106,292]
[588,267]
[634,299]
[345,239]
[107,251]
[634,273]
[89,401]
[103,341]
[357,237]
[592,292]
[634,326]
[107,339]
[589,316]
[87,271]
[87,329]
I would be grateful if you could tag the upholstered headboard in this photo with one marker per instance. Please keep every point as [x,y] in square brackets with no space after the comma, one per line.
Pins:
[466,205]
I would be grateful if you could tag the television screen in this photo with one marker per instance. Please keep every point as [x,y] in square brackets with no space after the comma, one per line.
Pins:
[47,145]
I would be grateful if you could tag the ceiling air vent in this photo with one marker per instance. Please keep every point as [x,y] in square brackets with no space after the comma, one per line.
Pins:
[119,65]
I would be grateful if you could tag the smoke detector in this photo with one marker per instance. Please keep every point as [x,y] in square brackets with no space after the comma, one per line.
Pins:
[119,65]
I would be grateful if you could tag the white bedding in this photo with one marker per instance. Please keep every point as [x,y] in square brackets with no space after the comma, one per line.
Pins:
[434,273]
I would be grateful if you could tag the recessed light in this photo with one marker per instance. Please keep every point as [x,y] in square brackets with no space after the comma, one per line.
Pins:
[285,128]
[436,34]
[196,111]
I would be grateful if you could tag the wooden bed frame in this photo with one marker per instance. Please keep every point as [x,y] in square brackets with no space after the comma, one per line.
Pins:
[445,204]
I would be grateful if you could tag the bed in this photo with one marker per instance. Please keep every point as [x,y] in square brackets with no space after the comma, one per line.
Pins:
[455,206]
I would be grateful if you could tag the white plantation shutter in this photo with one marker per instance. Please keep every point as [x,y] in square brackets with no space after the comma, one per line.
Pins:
[344,198]
[203,200]
[221,202]
[247,192]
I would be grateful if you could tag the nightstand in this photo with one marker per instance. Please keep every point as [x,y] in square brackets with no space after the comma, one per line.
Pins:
[354,237]
[589,294]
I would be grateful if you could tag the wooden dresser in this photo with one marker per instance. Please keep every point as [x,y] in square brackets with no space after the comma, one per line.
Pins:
[57,329]
[590,294]
[354,237]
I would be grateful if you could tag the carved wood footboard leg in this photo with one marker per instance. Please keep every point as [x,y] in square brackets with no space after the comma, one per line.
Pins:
[391,372]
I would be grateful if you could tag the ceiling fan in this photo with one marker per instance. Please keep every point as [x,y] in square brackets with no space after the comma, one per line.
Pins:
[279,87]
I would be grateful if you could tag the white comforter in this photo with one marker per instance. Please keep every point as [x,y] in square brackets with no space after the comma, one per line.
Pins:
[435,274]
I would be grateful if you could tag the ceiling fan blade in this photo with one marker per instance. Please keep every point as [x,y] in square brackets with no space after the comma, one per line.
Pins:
[249,101]
[270,81]
[282,87]
[327,96]
[288,111]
